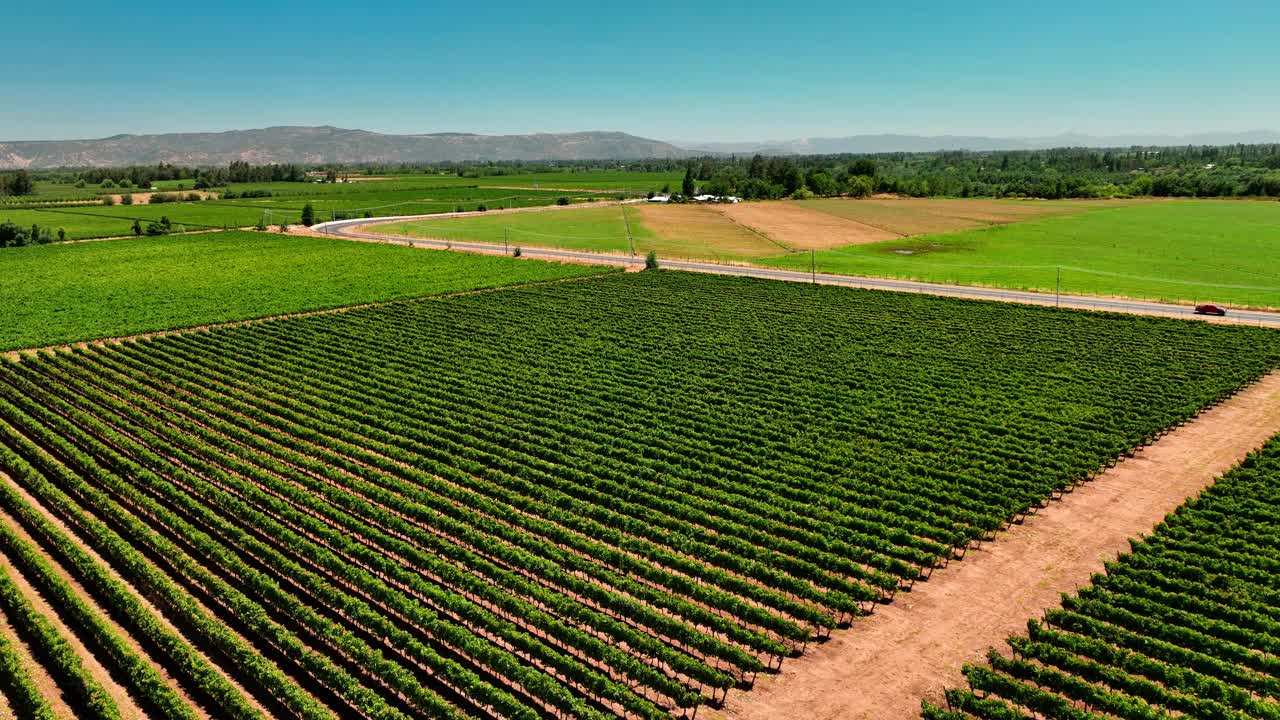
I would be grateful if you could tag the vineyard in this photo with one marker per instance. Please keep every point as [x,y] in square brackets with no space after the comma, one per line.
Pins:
[1185,624]
[616,496]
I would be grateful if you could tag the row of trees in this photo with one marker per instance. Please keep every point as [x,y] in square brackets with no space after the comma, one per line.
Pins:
[1224,171]
[1245,171]
[12,235]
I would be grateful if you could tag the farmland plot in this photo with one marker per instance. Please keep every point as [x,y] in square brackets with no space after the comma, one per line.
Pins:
[618,496]
[1185,624]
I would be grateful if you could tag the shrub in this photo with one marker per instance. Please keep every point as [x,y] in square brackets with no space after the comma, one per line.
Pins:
[108,183]
[308,215]
[80,183]
[802,194]
[481,208]
[161,198]
[517,252]
[262,224]
[562,200]
[163,227]
[11,235]
[126,199]
[137,227]
[651,261]
[62,234]
[108,200]
[459,209]
[194,197]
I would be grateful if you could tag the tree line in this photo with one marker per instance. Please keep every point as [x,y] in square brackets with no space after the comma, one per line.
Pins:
[1193,171]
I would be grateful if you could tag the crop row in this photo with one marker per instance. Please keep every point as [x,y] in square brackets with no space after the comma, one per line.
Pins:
[616,497]
[1187,624]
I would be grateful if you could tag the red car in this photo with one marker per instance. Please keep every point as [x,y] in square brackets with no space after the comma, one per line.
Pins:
[1210,310]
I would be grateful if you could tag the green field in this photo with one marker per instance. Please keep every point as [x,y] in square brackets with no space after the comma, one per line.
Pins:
[65,292]
[1186,250]
[405,195]
[622,497]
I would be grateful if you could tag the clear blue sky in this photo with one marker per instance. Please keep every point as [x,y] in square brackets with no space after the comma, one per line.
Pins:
[693,70]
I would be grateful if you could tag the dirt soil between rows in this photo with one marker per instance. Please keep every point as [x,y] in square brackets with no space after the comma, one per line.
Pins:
[913,649]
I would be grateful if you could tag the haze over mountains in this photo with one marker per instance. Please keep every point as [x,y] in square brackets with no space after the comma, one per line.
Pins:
[323,145]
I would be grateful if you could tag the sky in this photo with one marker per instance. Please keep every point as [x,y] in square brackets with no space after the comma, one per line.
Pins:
[688,71]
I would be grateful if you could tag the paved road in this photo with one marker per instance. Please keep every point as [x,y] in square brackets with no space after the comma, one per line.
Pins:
[351,229]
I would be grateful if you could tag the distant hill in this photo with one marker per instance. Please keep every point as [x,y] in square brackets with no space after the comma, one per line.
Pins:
[316,145]
[918,143]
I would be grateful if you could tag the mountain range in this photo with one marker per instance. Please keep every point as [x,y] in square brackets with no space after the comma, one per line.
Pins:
[324,145]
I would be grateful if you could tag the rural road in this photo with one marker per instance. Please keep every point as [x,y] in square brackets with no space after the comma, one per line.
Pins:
[353,229]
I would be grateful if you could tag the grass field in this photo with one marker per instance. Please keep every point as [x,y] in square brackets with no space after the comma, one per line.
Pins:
[612,498]
[403,195]
[929,216]
[92,221]
[1187,250]
[64,292]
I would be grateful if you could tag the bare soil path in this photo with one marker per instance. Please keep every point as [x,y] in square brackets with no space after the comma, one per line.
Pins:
[913,649]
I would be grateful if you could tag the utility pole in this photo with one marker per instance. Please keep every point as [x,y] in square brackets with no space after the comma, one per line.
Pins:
[506,240]
[813,265]
[627,223]
[1057,293]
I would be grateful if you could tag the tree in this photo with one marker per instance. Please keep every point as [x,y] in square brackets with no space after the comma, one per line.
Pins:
[757,170]
[262,223]
[651,261]
[863,166]
[858,186]
[163,227]
[21,184]
[137,227]
[308,215]
[688,189]
[11,235]
[822,184]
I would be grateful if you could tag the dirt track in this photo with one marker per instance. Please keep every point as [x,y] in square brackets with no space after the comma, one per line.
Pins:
[913,649]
